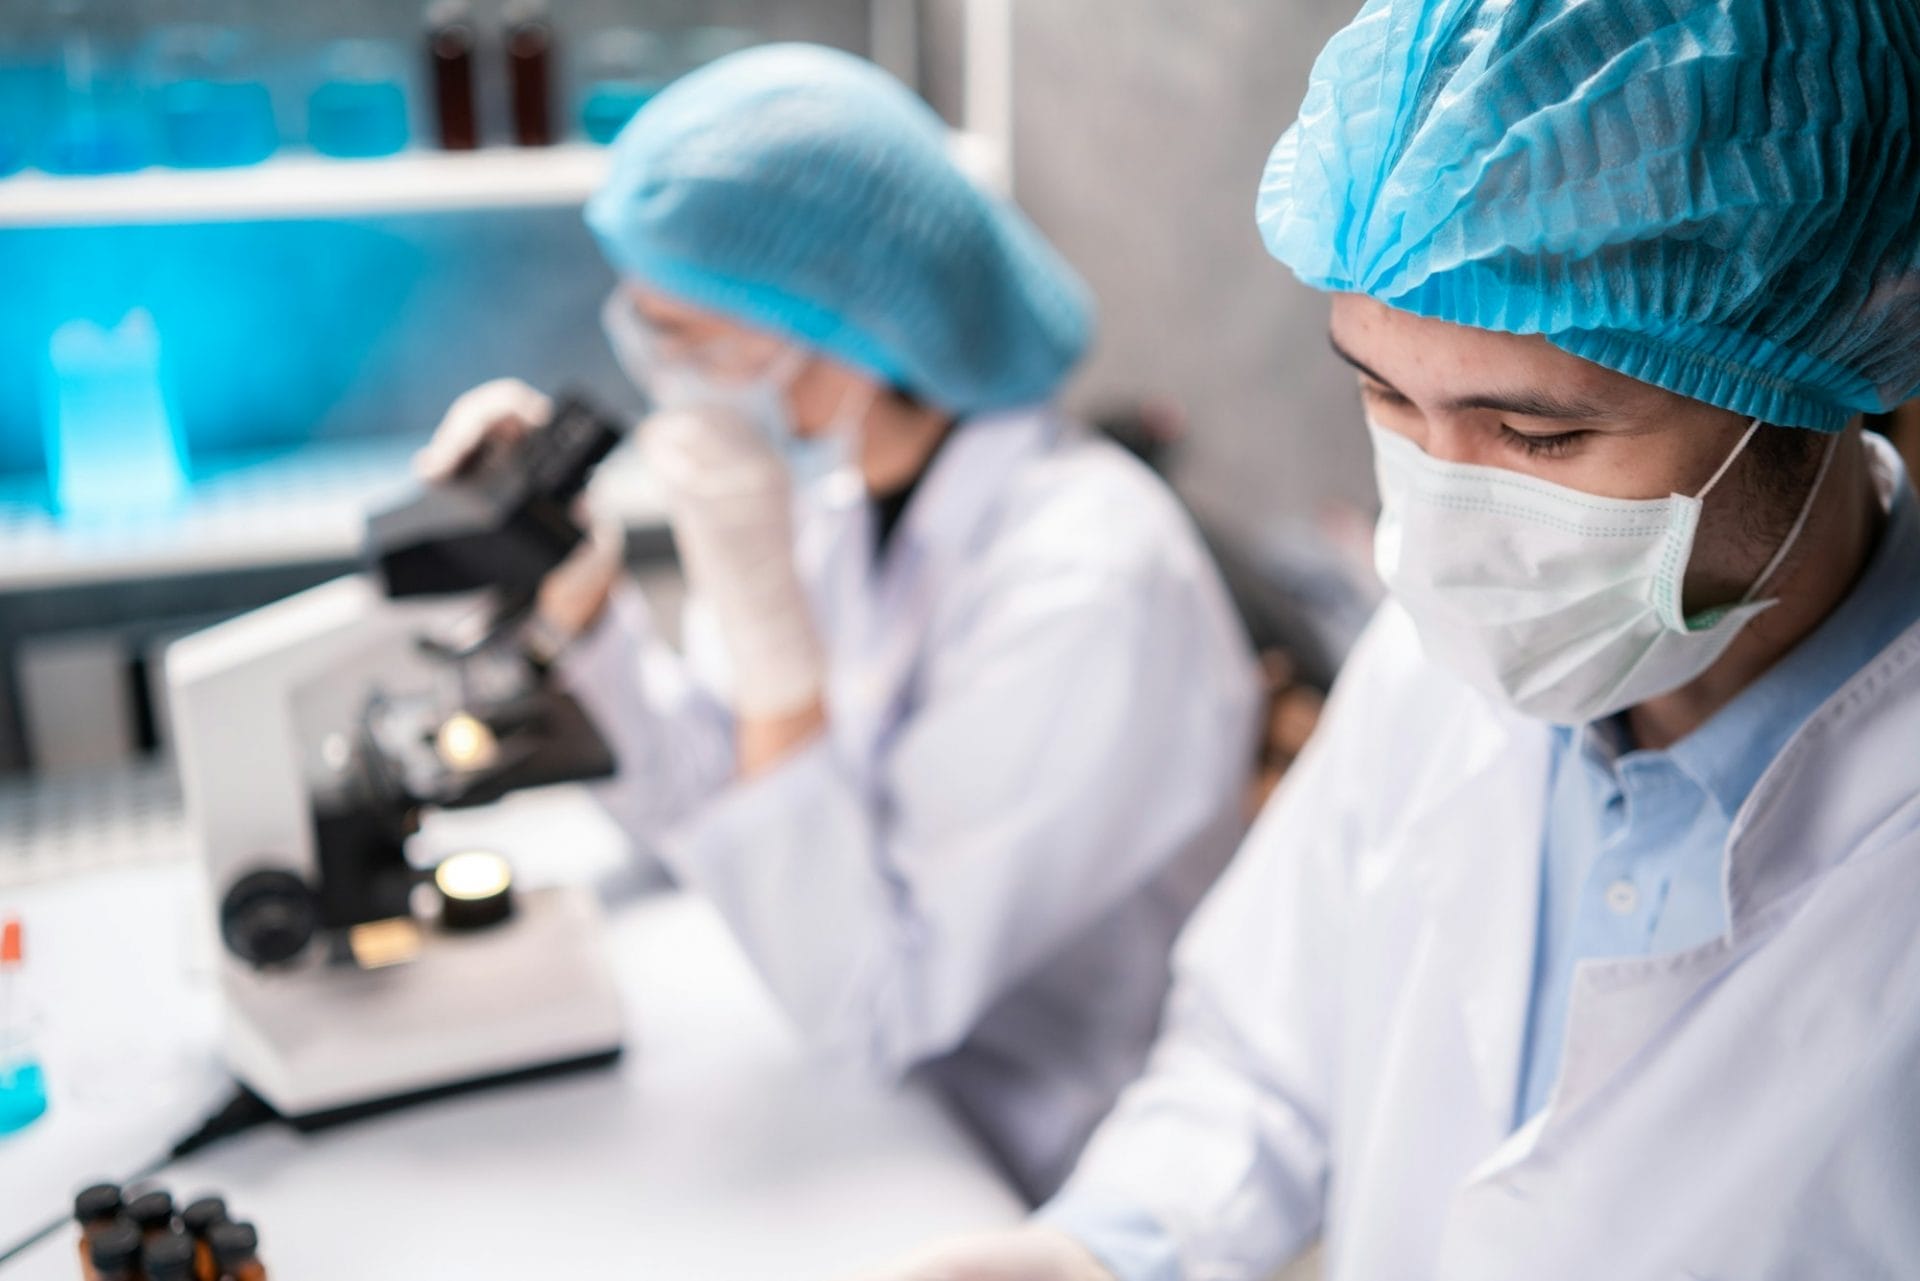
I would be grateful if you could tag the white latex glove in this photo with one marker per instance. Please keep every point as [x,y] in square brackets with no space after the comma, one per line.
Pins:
[1025,1254]
[731,504]
[496,414]
[501,411]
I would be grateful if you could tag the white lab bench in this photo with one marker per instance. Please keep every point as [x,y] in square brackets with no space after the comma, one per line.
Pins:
[714,1150]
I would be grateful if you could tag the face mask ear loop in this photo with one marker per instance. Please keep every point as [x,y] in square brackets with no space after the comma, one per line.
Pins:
[1799,522]
[1725,465]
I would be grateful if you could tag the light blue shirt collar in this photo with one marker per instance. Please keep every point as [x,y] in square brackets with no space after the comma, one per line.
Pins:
[1727,755]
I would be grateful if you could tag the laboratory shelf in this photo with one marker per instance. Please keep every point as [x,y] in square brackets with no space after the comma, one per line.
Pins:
[304,186]
[297,508]
[295,186]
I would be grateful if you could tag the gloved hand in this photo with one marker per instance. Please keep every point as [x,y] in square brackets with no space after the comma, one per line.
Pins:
[1025,1254]
[499,413]
[730,501]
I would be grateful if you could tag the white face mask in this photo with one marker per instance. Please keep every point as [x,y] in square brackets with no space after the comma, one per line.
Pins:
[1564,605]
[759,399]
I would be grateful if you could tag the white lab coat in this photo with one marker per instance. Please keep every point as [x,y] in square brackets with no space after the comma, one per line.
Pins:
[1345,1032]
[1041,717]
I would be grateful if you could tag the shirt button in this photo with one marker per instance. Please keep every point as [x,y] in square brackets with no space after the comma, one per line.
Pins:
[1622,897]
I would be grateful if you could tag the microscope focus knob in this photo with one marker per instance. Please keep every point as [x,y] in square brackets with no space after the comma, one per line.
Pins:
[268,917]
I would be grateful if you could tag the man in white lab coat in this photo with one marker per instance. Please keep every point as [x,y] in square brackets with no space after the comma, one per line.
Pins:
[1582,943]
[964,717]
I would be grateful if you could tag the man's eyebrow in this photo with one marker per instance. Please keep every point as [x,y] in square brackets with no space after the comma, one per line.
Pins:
[1523,404]
[1355,361]
[1533,404]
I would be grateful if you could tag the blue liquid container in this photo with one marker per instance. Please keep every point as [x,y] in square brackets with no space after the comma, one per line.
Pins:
[23,1095]
[358,118]
[609,104]
[112,445]
[25,88]
[213,124]
[358,107]
[95,134]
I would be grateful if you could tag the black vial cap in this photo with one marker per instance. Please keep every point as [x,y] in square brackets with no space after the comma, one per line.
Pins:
[101,1201]
[203,1214]
[151,1210]
[233,1243]
[170,1257]
[116,1248]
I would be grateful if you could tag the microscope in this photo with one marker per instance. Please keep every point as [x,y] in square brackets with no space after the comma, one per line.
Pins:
[312,737]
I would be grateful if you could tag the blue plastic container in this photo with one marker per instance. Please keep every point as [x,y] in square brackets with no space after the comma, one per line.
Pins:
[98,131]
[358,118]
[608,104]
[23,1096]
[213,124]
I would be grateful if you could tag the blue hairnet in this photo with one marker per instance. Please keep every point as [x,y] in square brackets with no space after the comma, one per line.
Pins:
[1714,196]
[806,191]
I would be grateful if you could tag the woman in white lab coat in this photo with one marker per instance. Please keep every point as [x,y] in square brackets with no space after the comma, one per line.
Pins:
[964,717]
[1582,942]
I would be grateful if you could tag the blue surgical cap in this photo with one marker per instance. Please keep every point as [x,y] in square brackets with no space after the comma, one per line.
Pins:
[1718,197]
[805,191]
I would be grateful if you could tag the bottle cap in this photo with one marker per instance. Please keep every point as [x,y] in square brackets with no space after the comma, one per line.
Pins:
[151,1210]
[443,13]
[169,1257]
[10,949]
[522,12]
[101,1201]
[233,1243]
[203,1214]
[117,1247]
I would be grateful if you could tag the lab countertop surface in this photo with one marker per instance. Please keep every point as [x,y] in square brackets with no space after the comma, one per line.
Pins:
[714,1150]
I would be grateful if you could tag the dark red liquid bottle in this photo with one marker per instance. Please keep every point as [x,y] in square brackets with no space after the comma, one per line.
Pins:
[530,75]
[450,48]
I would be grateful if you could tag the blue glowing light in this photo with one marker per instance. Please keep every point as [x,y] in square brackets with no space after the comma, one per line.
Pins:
[113,444]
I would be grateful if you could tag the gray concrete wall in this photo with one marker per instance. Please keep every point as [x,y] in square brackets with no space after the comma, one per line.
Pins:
[1142,128]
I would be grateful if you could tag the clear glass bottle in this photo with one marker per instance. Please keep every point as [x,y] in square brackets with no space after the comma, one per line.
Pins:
[29,76]
[622,68]
[212,105]
[98,123]
[358,107]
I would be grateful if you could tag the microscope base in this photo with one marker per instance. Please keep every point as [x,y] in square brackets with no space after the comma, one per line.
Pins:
[312,1122]
[528,998]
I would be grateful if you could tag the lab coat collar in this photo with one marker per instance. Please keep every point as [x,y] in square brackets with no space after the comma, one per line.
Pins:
[1487,891]
[1804,818]
[883,611]
[969,477]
